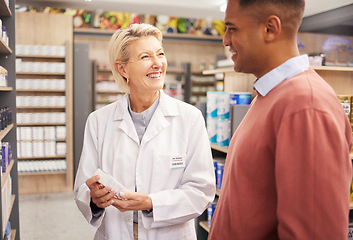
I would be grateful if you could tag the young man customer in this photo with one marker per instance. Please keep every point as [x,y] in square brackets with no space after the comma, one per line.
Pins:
[288,170]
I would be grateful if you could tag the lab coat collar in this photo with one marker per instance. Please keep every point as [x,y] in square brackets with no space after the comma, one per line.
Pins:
[167,108]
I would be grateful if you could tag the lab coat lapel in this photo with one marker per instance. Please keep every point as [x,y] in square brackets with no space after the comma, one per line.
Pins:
[166,108]
[122,115]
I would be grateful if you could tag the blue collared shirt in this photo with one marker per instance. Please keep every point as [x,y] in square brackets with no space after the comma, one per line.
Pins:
[286,70]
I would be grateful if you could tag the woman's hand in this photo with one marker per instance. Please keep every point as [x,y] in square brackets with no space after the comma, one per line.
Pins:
[133,201]
[101,196]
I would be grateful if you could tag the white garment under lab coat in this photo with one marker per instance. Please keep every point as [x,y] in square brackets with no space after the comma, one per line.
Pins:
[178,195]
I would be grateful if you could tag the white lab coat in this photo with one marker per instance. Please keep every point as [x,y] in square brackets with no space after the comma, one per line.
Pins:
[178,195]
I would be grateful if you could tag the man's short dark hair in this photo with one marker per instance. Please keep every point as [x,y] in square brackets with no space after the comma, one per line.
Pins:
[295,3]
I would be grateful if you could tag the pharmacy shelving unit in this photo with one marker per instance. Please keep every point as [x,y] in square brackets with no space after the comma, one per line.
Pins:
[340,78]
[8,98]
[105,90]
[37,179]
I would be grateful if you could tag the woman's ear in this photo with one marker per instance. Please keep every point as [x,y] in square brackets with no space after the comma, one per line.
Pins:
[120,67]
[273,28]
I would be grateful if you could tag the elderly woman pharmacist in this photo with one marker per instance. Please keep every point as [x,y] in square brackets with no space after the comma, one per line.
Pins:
[154,145]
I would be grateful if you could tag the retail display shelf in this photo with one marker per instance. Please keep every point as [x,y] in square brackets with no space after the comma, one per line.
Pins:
[177,72]
[333,68]
[41,173]
[40,56]
[42,158]
[40,73]
[107,70]
[105,80]
[96,31]
[204,225]
[4,132]
[13,234]
[4,48]
[218,191]
[10,209]
[40,90]
[6,89]
[4,9]
[5,175]
[219,148]
[105,102]
[198,93]
[109,92]
[46,107]
[39,124]
[317,68]
[218,70]
[200,83]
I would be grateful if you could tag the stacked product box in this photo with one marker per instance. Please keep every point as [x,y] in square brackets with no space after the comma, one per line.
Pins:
[3,77]
[210,211]
[6,199]
[218,117]
[6,156]
[347,104]
[5,117]
[41,141]
[218,164]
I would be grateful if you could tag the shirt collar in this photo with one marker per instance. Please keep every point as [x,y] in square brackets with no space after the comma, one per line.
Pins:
[277,75]
[143,117]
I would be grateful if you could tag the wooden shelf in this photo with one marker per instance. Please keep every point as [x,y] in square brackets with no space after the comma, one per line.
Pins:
[219,148]
[4,132]
[40,90]
[40,73]
[333,68]
[13,234]
[218,70]
[176,72]
[4,9]
[104,70]
[176,36]
[218,191]
[316,68]
[40,56]
[198,93]
[107,102]
[39,124]
[105,80]
[46,107]
[205,83]
[351,205]
[42,158]
[5,89]
[42,173]
[10,210]
[3,47]
[204,225]
[6,174]
[109,92]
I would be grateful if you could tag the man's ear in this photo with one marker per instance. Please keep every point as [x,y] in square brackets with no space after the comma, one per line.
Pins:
[120,67]
[273,28]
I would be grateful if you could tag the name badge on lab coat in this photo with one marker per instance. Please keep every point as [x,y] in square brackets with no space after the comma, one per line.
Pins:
[177,162]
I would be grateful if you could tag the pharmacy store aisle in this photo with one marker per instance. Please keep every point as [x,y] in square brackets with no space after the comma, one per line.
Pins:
[52,216]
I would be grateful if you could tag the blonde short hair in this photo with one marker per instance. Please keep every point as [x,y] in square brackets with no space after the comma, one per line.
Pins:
[119,47]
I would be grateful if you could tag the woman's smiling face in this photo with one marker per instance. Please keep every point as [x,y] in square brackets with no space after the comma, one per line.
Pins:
[147,65]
